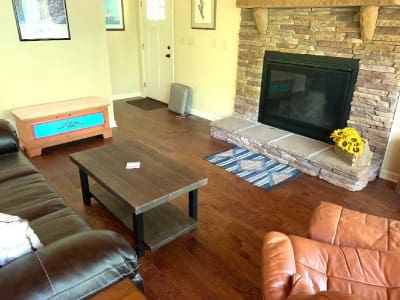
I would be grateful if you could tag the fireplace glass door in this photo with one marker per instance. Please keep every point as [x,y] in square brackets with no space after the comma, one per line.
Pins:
[306,94]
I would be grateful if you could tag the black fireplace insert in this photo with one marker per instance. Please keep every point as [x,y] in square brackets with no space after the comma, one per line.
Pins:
[307,94]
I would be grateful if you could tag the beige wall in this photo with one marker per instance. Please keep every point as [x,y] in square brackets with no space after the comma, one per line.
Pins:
[207,59]
[124,55]
[391,164]
[45,71]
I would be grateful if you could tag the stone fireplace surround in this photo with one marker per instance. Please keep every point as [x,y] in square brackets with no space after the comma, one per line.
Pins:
[323,31]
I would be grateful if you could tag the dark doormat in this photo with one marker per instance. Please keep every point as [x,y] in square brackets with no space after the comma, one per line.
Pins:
[147,103]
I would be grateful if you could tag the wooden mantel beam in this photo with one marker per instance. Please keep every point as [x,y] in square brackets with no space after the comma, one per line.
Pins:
[313,3]
[368,18]
[368,10]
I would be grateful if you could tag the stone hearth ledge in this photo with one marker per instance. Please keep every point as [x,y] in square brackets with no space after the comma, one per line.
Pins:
[312,157]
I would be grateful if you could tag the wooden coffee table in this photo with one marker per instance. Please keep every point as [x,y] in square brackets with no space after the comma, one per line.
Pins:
[139,197]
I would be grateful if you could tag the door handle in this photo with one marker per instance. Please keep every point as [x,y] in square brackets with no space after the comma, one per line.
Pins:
[168,55]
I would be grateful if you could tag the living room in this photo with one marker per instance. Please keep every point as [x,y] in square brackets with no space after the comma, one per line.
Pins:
[222,258]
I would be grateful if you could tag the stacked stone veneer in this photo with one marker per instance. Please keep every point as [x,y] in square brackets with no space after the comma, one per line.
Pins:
[330,32]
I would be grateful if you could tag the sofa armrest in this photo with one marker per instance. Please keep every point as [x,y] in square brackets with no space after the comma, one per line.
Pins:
[75,267]
[278,266]
[340,226]
[8,138]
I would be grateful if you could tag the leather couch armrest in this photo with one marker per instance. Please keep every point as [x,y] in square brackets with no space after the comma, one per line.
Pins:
[278,266]
[340,226]
[75,267]
[324,222]
[8,138]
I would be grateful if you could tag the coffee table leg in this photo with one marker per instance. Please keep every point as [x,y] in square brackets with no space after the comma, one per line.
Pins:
[193,204]
[138,232]
[86,195]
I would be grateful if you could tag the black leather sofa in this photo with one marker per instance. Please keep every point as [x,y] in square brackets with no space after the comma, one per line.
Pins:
[75,261]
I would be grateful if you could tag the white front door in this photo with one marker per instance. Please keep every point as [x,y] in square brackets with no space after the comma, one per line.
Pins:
[157,48]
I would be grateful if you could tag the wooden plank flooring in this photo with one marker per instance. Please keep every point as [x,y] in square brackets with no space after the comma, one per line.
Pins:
[221,259]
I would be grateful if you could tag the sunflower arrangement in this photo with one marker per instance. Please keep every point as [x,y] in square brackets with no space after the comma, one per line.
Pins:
[348,140]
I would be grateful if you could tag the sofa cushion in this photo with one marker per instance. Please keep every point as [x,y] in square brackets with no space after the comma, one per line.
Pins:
[29,197]
[14,165]
[340,226]
[74,267]
[9,174]
[364,272]
[63,222]
[16,238]
[301,291]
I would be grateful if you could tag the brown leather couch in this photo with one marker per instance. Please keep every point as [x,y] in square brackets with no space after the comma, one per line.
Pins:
[75,261]
[350,255]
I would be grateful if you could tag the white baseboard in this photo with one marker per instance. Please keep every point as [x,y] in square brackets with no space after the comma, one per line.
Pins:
[389,175]
[204,115]
[113,123]
[125,96]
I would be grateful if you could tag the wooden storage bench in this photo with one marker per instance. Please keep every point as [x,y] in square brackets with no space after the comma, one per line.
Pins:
[49,124]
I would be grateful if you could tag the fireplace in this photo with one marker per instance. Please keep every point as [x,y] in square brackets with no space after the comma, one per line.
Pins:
[307,94]
[329,32]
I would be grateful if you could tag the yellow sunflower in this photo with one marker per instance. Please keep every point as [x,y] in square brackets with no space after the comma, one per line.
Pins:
[348,139]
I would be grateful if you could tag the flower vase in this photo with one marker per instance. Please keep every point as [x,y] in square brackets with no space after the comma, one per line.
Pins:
[353,160]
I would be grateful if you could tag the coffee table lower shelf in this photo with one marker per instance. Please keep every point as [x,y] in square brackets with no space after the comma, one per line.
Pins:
[162,224]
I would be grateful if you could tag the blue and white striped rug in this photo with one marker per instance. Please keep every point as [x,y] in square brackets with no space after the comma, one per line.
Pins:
[254,168]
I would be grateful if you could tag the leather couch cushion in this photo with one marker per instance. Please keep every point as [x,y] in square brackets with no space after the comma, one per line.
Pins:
[29,197]
[14,165]
[364,272]
[340,226]
[74,267]
[301,291]
[324,267]
[63,223]
[16,172]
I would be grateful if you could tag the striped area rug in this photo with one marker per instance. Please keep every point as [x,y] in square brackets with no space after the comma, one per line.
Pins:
[254,168]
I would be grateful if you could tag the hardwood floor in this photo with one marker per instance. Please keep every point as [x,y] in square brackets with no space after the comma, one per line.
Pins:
[221,259]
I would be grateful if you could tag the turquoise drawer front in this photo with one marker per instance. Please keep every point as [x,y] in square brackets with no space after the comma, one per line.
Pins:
[58,127]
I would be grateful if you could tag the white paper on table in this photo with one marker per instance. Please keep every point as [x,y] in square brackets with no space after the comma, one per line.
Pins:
[133,165]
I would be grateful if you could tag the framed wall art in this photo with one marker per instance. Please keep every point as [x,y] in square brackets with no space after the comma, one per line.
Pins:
[114,14]
[203,14]
[41,20]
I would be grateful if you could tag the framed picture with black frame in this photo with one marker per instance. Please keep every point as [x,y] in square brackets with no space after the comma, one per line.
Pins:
[41,20]
[203,14]
[114,14]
